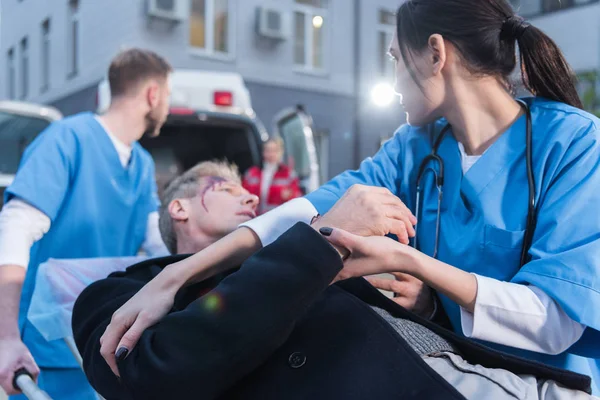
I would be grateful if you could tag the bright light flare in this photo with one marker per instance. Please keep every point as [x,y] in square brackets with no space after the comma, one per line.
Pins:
[317,21]
[382,94]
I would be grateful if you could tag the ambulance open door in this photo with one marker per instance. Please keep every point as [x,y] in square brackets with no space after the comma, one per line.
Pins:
[295,127]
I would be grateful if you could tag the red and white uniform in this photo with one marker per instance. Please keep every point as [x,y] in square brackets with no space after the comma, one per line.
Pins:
[275,184]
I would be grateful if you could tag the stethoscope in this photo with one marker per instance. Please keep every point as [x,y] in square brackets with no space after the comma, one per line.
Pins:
[426,166]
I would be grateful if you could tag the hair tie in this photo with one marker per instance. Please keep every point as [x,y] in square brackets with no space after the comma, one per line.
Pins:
[514,27]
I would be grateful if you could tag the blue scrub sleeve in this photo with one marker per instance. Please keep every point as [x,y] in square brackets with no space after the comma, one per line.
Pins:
[382,170]
[45,171]
[565,253]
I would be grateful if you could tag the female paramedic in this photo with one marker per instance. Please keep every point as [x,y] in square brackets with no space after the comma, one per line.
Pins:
[504,192]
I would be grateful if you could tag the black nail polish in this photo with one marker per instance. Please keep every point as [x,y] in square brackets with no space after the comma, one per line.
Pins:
[121,353]
[325,231]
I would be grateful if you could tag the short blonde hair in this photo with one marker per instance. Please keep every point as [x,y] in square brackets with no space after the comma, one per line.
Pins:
[186,186]
[278,141]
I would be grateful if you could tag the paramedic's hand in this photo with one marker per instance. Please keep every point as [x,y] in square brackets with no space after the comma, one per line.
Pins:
[144,309]
[370,211]
[410,292]
[14,355]
[373,255]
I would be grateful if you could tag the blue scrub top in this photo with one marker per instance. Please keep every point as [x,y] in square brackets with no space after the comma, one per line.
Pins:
[484,212]
[98,208]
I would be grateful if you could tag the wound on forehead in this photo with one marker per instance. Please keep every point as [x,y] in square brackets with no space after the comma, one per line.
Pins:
[211,183]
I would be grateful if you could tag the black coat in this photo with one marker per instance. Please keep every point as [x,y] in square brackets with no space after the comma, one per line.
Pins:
[274,329]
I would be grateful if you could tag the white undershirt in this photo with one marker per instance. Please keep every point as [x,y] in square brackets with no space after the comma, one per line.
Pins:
[506,313]
[21,224]
[466,160]
[123,150]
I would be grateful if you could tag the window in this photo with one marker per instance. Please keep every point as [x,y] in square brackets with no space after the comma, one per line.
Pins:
[385,32]
[73,35]
[531,8]
[16,133]
[11,76]
[24,68]
[527,8]
[556,5]
[210,27]
[45,55]
[313,3]
[310,23]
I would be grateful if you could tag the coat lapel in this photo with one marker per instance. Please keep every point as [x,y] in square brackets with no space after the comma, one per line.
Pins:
[472,351]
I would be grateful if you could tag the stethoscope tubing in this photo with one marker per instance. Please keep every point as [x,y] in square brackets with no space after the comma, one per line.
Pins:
[439,183]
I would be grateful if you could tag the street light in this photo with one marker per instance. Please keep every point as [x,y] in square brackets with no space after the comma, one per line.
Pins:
[383,94]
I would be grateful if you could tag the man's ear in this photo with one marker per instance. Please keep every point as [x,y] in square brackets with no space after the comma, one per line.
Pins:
[152,94]
[437,48]
[179,209]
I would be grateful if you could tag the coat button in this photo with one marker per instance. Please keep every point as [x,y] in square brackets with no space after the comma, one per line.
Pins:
[297,360]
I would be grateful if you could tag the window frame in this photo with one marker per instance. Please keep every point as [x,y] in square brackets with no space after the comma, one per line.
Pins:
[309,13]
[209,50]
[24,61]
[11,75]
[386,29]
[73,42]
[45,50]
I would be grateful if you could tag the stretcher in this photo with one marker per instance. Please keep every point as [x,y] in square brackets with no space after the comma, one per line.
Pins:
[58,284]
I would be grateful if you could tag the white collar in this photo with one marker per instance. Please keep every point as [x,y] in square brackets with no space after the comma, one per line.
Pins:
[123,150]
[466,160]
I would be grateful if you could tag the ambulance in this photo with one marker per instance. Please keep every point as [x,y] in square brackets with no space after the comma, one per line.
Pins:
[211,117]
[20,123]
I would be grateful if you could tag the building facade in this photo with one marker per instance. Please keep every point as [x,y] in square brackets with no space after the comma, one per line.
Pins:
[333,52]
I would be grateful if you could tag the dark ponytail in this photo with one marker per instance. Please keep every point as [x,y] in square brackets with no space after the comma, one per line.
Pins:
[486,32]
[545,71]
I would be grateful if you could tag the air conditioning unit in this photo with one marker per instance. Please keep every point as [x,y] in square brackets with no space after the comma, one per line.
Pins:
[272,23]
[172,10]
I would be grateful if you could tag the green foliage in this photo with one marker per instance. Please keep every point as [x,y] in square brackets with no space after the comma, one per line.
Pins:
[588,85]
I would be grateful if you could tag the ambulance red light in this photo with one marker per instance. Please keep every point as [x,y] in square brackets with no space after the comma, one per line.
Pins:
[224,99]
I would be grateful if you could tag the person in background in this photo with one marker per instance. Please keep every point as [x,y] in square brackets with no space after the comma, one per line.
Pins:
[84,188]
[275,183]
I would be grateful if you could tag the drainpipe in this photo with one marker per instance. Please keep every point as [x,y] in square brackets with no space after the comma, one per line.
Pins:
[357,83]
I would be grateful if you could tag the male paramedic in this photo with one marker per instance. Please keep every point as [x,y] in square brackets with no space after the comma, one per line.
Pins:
[84,188]
[277,329]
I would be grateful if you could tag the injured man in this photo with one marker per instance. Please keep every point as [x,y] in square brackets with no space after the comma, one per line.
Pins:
[278,327]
